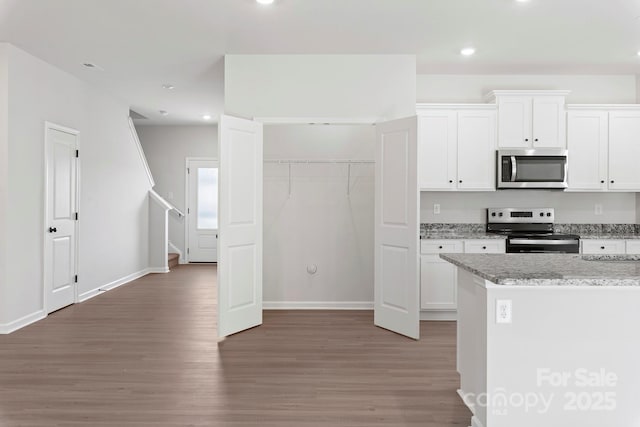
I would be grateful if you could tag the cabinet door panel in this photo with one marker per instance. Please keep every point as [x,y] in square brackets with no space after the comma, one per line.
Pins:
[624,150]
[477,150]
[438,281]
[514,122]
[437,150]
[548,122]
[587,144]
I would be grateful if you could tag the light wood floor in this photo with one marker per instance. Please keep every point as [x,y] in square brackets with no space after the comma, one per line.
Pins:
[146,354]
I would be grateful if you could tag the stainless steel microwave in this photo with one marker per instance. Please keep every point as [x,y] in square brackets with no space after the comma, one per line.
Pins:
[544,168]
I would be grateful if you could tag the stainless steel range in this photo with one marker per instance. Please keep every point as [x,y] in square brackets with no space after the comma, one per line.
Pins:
[530,231]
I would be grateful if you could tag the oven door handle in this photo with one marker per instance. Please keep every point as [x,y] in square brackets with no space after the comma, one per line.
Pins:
[514,168]
[542,242]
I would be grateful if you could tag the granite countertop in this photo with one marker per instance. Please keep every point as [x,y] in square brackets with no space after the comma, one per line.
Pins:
[551,269]
[460,235]
[610,236]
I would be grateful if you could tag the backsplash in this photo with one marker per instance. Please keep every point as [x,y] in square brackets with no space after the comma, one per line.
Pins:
[579,229]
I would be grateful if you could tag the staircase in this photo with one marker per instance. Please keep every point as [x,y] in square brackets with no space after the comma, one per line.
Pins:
[173,260]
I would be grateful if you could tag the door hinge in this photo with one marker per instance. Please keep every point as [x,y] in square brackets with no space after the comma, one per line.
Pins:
[76,216]
[75,279]
[189,170]
[77,153]
[187,250]
[188,210]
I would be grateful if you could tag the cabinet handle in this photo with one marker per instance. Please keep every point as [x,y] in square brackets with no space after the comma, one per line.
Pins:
[450,181]
[460,181]
[526,139]
[484,247]
[535,140]
[439,247]
[612,181]
[602,182]
[601,247]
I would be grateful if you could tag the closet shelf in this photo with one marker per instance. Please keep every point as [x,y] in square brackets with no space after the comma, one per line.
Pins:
[311,161]
[290,162]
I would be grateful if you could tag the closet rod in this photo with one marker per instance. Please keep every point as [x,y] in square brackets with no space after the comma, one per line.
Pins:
[299,161]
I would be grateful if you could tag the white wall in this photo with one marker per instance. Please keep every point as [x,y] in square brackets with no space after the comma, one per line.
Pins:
[4,146]
[318,224]
[166,148]
[576,208]
[113,209]
[378,86]
[585,89]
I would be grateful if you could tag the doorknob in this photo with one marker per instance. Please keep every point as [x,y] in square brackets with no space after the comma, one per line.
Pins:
[53,230]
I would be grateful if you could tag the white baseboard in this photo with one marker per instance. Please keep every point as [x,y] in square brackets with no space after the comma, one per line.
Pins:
[116,283]
[317,305]
[7,328]
[439,316]
[158,270]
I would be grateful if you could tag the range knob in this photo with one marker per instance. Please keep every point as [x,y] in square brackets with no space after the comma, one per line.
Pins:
[500,214]
[548,213]
[541,214]
[493,214]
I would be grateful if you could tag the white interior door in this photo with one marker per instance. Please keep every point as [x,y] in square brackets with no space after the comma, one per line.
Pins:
[60,217]
[240,218]
[202,208]
[397,228]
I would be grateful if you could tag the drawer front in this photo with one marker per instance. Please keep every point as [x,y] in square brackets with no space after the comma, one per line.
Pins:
[603,247]
[633,247]
[484,246]
[441,246]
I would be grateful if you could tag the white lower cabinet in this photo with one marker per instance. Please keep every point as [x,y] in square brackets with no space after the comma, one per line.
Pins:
[604,247]
[633,247]
[439,278]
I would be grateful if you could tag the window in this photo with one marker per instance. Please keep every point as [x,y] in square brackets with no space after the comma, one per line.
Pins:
[207,207]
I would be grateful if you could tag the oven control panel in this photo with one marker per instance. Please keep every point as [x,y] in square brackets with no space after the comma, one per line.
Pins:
[520,215]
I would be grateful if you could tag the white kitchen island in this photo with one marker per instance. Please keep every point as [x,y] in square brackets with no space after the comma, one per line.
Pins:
[549,340]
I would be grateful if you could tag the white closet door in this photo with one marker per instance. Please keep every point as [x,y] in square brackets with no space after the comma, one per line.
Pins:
[397,228]
[240,222]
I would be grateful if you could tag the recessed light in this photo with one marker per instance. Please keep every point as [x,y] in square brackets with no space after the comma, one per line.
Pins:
[639,53]
[206,117]
[522,1]
[468,51]
[265,1]
[168,87]
[163,112]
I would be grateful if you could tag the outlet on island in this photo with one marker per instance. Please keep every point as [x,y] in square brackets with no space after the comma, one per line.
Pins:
[436,209]
[598,209]
[503,311]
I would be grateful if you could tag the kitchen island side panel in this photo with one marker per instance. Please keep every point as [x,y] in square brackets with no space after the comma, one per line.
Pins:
[568,357]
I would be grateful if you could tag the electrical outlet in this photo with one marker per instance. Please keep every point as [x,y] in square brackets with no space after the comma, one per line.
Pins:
[436,209]
[503,311]
[598,209]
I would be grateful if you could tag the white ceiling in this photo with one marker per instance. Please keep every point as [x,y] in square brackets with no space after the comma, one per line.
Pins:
[142,44]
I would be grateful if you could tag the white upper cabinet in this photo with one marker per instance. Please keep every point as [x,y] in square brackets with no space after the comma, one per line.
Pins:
[530,119]
[624,150]
[457,148]
[476,150]
[514,121]
[587,142]
[437,149]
